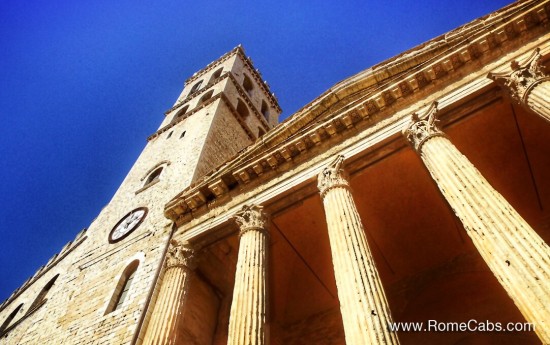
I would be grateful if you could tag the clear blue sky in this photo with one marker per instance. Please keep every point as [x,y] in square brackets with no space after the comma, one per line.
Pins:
[83,83]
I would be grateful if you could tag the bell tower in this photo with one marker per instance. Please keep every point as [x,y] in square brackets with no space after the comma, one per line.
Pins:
[101,283]
[222,108]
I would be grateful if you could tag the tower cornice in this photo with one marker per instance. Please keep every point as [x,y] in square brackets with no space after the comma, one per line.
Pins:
[221,96]
[244,95]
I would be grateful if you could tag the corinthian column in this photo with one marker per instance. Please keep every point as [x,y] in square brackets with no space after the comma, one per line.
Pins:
[168,310]
[247,318]
[514,252]
[527,84]
[365,311]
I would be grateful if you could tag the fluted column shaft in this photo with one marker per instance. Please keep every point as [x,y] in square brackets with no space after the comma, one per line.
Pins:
[514,252]
[247,318]
[527,84]
[169,307]
[537,99]
[363,304]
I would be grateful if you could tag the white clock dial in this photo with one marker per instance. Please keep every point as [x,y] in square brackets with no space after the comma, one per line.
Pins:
[127,224]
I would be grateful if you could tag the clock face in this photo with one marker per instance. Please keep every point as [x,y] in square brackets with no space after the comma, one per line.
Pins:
[127,224]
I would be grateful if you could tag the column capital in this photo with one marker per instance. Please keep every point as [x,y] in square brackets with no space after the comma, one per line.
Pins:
[248,314]
[522,78]
[421,129]
[180,254]
[252,217]
[332,176]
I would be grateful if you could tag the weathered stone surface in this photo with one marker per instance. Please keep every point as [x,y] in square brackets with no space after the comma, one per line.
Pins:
[248,319]
[515,253]
[365,311]
[528,84]
[169,307]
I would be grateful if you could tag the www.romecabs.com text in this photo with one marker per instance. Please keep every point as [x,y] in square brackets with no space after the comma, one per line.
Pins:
[467,326]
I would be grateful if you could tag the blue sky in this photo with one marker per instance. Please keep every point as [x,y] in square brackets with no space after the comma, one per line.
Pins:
[83,83]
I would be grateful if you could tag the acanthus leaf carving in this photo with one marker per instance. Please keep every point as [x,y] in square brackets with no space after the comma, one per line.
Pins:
[522,78]
[420,129]
[332,176]
[252,217]
[180,254]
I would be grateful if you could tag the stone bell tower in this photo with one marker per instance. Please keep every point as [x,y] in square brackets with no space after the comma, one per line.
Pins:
[99,287]
[223,108]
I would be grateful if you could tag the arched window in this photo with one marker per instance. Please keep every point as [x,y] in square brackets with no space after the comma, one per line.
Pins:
[215,75]
[247,84]
[41,298]
[181,112]
[206,97]
[122,288]
[242,109]
[10,318]
[154,176]
[265,110]
[196,87]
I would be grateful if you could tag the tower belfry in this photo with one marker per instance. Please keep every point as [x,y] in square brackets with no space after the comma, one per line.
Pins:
[222,108]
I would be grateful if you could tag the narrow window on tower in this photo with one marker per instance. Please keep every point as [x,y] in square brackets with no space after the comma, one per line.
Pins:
[180,113]
[123,287]
[154,177]
[265,110]
[215,75]
[41,298]
[182,134]
[206,97]
[169,135]
[247,84]
[242,109]
[195,87]
[10,318]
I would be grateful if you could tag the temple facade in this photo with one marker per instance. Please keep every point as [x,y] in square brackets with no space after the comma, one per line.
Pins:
[410,203]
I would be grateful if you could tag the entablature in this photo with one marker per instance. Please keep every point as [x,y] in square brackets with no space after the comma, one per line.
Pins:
[333,120]
[296,179]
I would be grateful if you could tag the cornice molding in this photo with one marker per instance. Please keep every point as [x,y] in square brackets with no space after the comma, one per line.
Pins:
[221,96]
[199,92]
[296,180]
[240,90]
[390,87]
